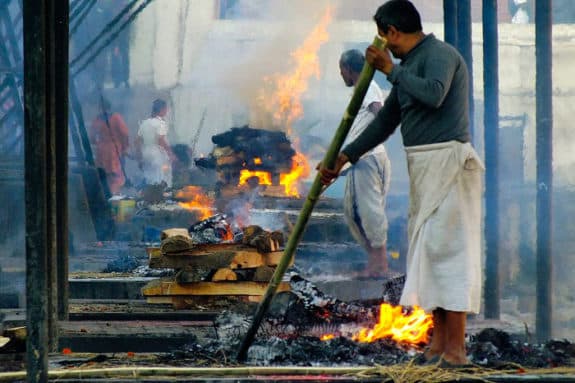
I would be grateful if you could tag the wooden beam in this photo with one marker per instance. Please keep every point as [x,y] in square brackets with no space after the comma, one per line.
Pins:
[215,257]
[172,288]
[61,38]
[491,139]
[544,176]
[37,127]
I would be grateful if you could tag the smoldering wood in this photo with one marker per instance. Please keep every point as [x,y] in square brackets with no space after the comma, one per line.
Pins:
[174,232]
[273,146]
[215,256]
[316,189]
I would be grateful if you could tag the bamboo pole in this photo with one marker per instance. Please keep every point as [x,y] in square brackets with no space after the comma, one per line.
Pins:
[396,373]
[360,90]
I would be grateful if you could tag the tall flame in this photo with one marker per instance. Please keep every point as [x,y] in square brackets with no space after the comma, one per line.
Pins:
[196,200]
[406,328]
[299,170]
[282,98]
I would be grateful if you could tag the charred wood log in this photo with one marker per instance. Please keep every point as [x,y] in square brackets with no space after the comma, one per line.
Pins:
[176,244]
[174,232]
[263,274]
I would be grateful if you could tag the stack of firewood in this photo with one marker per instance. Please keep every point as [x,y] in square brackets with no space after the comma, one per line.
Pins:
[240,269]
[256,150]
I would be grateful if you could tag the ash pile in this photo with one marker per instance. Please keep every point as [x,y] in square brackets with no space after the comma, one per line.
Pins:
[285,339]
[243,148]
[293,333]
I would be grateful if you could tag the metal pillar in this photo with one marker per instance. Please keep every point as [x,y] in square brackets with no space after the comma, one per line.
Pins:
[464,45]
[491,135]
[450,21]
[544,154]
[37,130]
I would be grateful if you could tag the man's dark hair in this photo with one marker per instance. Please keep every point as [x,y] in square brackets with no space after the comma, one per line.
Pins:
[353,59]
[402,14]
[157,106]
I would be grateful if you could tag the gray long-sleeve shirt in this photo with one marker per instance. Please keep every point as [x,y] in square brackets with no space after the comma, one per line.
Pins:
[429,99]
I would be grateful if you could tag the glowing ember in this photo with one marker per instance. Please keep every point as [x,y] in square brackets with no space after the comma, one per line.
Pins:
[299,170]
[196,200]
[257,161]
[283,100]
[393,323]
[264,178]
[327,337]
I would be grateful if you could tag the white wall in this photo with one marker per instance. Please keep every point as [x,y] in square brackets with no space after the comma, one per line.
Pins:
[207,66]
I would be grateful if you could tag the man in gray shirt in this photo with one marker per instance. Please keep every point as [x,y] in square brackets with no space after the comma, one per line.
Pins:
[429,100]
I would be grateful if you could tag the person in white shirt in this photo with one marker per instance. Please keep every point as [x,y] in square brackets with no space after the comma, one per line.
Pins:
[367,182]
[155,154]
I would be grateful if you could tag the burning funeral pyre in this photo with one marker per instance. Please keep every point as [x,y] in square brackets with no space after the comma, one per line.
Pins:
[246,158]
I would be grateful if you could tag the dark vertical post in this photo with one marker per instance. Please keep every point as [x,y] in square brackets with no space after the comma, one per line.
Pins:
[52,221]
[491,135]
[450,21]
[464,45]
[544,154]
[36,123]
[61,17]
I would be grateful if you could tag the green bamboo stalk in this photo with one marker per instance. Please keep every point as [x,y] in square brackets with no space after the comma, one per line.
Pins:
[353,107]
[139,372]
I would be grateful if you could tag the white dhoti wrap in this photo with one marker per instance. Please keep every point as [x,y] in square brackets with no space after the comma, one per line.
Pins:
[444,258]
[366,187]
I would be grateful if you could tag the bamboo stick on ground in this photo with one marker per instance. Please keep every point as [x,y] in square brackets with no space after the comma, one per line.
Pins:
[353,107]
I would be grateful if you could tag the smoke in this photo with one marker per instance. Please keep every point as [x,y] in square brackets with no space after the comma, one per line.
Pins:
[242,72]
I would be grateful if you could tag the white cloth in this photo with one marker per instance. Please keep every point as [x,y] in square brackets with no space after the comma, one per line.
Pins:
[366,187]
[444,231]
[367,182]
[365,116]
[157,167]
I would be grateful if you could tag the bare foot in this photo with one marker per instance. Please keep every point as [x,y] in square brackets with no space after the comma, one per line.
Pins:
[455,359]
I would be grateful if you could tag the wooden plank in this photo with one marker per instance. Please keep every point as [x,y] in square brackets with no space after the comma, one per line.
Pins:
[246,260]
[263,274]
[273,258]
[171,288]
[217,260]
[159,300]
[206,248]
[214,256]
[224,275]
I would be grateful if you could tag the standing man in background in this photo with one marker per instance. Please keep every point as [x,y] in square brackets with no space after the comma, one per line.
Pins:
[367,183]
[429,100]
[154,152]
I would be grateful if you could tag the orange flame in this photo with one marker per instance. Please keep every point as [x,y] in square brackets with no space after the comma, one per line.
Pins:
[257,161]
[411,328]
[327,337]
[196,200]
[284,104]
[299,170]
[264,178]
